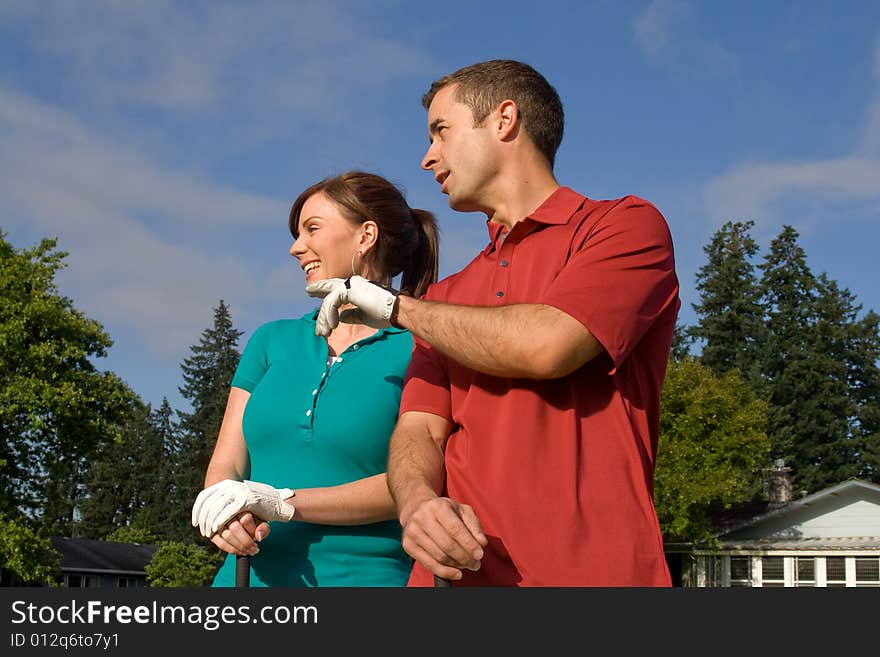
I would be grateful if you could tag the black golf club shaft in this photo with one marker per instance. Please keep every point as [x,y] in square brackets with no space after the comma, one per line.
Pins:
[242,571]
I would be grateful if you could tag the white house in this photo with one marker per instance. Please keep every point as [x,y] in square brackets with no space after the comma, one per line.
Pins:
[829,538]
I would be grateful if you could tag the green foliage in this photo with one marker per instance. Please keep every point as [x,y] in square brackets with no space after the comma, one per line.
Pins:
[813,356]
[163,514]
[730,322]
[177,564]
[56,409]
[681,343]
[124,480]
[800,344]
[29,558]
[712,447]
[131,534]
[207,376]
[863,376]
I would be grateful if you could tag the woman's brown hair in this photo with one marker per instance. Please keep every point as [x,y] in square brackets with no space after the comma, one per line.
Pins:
[408,238]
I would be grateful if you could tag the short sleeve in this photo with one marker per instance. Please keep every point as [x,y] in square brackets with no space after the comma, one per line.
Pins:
[254,361]
[426,386]
[621,278]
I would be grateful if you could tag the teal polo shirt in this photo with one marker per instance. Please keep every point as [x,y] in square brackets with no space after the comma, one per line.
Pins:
[309,424]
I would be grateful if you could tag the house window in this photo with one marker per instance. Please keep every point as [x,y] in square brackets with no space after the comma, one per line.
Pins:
[711,571]
[740,571]
[805,571]
[835,571]
[77,581]
[867,571]
[773,571]
[129,583]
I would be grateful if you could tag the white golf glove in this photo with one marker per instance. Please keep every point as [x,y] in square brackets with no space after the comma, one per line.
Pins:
[375,304]
[218,504]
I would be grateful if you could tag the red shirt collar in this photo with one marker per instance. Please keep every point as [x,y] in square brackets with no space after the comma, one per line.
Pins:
[558,208]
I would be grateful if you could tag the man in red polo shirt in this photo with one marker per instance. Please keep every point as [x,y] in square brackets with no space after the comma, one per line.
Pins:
[537,369]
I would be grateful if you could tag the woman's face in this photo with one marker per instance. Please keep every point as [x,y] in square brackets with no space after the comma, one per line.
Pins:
[327,240]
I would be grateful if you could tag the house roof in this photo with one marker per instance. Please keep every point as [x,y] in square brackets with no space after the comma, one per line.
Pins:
[850,543]
[84,555]
[849,487]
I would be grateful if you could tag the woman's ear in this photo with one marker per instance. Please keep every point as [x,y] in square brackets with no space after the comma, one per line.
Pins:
[369,235]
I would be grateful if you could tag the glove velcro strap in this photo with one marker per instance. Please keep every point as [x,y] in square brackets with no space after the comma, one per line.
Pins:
[392,314]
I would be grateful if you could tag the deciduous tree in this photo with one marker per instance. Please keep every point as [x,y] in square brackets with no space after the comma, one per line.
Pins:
[712,447]
[56,408]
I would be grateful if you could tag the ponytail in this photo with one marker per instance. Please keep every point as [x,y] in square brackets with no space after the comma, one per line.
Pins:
[408,241]
[423,266]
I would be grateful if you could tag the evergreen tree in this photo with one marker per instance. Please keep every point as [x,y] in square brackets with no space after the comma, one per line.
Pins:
[799,342]
[681,343]
[56,408]
[207,375]
[124,480]
[730,325]
[807,366]
[788,288]
[829,455]
[864,387]
[159,516]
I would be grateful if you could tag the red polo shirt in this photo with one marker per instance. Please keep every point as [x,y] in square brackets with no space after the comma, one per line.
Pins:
[560,472]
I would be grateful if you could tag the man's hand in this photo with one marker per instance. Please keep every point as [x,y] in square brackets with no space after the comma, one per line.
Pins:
[375,304]
[444,536]
[218,504]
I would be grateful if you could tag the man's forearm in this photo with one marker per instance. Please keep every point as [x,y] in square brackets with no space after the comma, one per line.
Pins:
[415,469]
[524,340]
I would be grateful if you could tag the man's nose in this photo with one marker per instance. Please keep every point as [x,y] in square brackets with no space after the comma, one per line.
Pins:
[430,158]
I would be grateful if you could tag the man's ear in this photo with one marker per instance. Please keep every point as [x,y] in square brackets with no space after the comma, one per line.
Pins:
[507,120]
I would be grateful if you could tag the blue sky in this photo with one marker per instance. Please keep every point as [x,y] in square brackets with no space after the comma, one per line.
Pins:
[163,142]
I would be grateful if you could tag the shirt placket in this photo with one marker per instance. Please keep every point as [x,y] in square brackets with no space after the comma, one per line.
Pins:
[501,277]
[328,373]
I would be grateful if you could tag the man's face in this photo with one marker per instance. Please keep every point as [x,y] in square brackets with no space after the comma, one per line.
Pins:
[461,156]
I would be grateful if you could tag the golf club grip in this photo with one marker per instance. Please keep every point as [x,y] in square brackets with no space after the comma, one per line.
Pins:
[441,583]
[242,571]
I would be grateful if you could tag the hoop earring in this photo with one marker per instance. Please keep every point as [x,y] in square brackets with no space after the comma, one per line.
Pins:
[356,253]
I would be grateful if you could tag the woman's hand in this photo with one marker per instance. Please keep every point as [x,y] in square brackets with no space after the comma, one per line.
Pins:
[218,504]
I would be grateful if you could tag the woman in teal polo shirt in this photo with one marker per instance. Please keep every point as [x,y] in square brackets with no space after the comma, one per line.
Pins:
[304,438]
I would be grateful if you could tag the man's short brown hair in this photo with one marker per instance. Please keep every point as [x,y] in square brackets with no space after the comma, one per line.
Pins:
[484,86]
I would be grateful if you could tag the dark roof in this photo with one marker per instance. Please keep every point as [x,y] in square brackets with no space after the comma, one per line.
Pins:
[724,519]
[90,556]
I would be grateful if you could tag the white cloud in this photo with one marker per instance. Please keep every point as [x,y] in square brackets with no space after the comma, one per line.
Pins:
[748,190]
[670,34]
[133,230]
[159,100]
[871,142]
[652,29]
[308,56]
